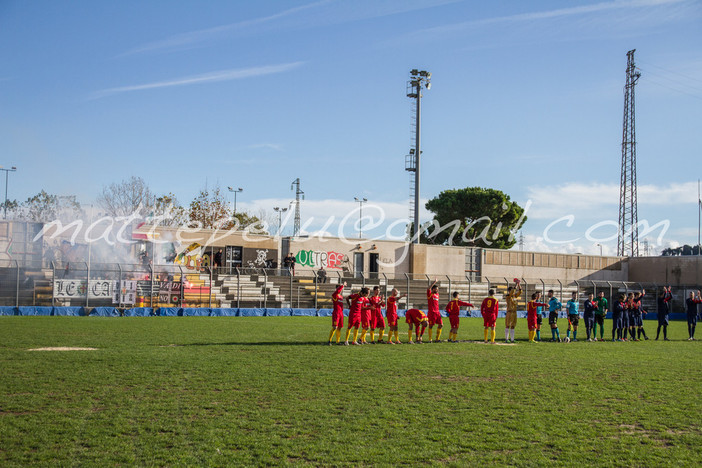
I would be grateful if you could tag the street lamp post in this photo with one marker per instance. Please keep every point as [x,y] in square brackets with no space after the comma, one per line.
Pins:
[600,245]
[280,212]
[7,171]
[239,190]
[360,201]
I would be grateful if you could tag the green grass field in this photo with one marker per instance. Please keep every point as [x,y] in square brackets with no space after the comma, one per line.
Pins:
[264,391]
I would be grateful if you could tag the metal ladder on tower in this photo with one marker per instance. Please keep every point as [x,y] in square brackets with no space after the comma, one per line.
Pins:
[410,159]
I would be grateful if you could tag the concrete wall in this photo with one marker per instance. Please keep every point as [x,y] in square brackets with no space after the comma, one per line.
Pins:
[536,265]
[683,270]
[438,260]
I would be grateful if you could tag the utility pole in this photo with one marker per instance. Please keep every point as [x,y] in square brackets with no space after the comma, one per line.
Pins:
[280,212]
[235,191]
[699,218]
[628,238]
[7,172]
[299,195]
[418,80]
[360,202]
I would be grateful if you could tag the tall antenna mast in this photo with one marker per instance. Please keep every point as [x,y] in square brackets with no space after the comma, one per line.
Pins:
[628,238]
[298,193]
[418,80]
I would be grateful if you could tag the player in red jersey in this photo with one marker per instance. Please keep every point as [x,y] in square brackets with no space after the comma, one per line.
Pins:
[533,314]
[337,314]
[391,315]
[416,318]
[433,312]
[366,316]
[357,304]
[489,310]
[453,308]
[377,320]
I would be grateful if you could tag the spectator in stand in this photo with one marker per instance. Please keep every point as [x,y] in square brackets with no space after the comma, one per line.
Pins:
[292,263]
[322,275]
[218,260]
[288,264]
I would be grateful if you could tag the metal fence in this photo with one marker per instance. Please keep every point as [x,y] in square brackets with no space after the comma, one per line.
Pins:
[134,285]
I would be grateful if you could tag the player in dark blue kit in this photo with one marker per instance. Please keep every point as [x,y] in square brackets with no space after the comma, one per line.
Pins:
[589,314]
[627,318]
[639,312]
[618,311]
[663,310]
[691,304]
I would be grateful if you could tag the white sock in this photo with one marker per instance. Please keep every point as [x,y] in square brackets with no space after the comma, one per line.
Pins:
[511,334]
[506,334]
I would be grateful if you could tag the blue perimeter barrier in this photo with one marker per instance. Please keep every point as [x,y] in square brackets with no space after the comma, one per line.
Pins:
[230,312]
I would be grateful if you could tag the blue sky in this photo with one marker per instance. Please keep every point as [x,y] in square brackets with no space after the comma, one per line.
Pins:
[527,97]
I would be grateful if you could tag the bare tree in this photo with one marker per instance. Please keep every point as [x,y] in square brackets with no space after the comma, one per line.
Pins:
[45,207]
[127,197]
[168,212]
[210,210]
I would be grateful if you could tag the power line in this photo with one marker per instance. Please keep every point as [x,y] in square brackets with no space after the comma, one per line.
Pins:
[671,71]
[674,89]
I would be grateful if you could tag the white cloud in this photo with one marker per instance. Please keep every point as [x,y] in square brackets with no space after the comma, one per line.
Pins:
[334,13]
[224,75]
[189,39]
[542,15]
[588,200]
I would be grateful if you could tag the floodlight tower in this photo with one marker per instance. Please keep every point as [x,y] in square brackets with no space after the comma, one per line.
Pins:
[298,193]
[418,79]
[628,239]
[360,202]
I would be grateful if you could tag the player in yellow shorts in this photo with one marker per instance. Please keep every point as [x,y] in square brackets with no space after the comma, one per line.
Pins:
[511,297]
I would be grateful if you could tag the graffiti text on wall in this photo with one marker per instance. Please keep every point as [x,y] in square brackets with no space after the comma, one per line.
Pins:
[98,289]
[315,259]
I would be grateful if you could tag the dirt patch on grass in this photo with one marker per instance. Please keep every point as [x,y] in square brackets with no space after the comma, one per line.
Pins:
[63,348]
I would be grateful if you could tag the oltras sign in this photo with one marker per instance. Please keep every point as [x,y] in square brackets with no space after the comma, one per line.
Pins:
[315,259]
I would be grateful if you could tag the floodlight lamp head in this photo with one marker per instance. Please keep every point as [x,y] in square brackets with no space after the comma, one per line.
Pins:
[414,72]
[428,84]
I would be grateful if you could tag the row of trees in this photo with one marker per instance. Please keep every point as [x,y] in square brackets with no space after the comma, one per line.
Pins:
[133,197]
[682,250]
[472,216]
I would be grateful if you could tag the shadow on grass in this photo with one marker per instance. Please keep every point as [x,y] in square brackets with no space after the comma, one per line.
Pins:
[319,343]
[252,343]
